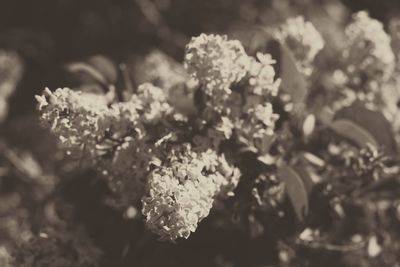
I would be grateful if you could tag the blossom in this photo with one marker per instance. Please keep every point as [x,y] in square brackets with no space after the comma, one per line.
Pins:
[111,139]
[215,61]
[261,75]
[256,128]
[302,39]
[182,190]
[367,53]
[73,117]
[153,103]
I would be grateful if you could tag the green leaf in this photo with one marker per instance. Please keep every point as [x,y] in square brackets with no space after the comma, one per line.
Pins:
[295,189]
[374,122]
[353,132]
[293,81]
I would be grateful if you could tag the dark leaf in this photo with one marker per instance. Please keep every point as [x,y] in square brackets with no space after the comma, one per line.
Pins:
[86,72]
[308,176]
[105,66]
[296,190]
[353,132]
[373,122]
[293,81]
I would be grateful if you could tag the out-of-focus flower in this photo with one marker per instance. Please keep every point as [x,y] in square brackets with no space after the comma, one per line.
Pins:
[182,190]
[160,70]
[15,228]
[153,103]
[6,259]
[164,72]
[58,249]
[303,40]
[368,56]
[11,70]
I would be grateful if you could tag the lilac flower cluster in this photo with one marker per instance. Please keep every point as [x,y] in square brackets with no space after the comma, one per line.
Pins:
[182,190]
[113,139]
[236,90]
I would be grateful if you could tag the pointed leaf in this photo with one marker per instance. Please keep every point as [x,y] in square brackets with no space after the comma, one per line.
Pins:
[353,132]
[309,177]
[84,70]
[293,81]
[373,122]
[104,66]
[295,189]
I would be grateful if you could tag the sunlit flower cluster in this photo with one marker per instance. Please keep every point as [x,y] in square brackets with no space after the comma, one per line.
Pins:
[215,62]
[244,85]
[113,139]
[182,190]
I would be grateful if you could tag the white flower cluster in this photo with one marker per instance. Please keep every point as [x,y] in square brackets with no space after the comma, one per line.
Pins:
[215,62]
[367,55]
[181,192]
[303,40]
[152,103]
[113,139]
[236,89]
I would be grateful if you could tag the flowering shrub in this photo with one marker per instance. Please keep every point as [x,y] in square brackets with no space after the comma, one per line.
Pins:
[211,150]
